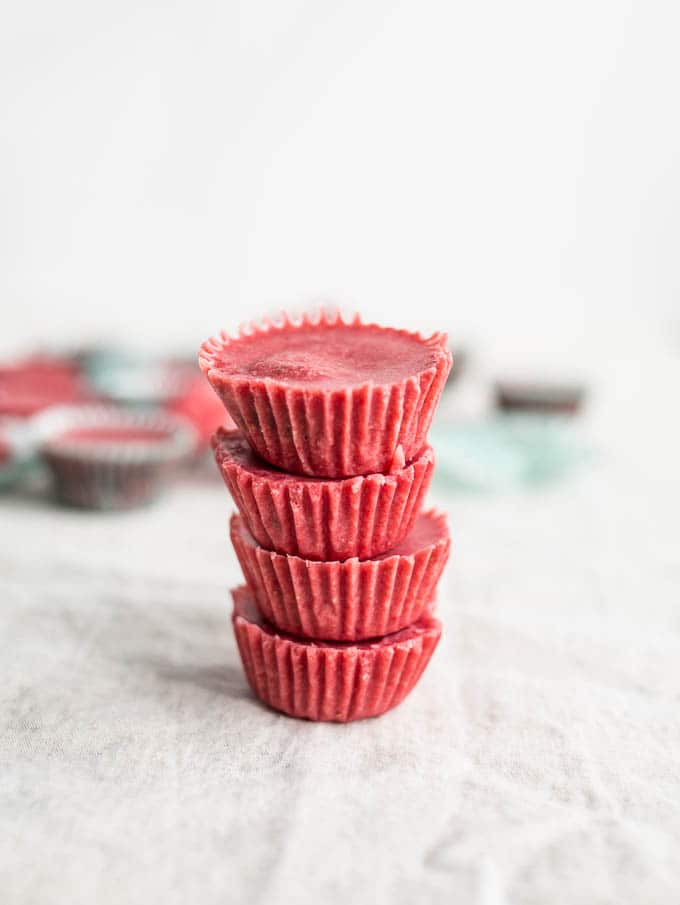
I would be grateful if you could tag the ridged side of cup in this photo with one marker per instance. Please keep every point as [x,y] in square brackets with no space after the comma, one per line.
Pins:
[328,520]
[332,683]
[341,601]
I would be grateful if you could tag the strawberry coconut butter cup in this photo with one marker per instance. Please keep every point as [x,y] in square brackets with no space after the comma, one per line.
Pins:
[316,518]
[351,600]
[336,682]
[111,458]
[34,384]
[326,397]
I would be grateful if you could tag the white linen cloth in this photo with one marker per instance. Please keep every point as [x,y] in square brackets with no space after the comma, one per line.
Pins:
[538,761]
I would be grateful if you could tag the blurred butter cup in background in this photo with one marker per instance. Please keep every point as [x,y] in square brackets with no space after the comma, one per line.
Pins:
[104,457]
[31,385]
[544,396]
[521,434]
[175,385]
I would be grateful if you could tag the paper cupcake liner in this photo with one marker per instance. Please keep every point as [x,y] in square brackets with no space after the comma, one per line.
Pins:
[110,475]
[330,682]
[333,433]
[351,600]
[322,519]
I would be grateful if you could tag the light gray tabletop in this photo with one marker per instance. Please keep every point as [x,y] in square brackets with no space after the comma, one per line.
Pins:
[537,761]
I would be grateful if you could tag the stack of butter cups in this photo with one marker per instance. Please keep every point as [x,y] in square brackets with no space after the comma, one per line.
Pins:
[328,468]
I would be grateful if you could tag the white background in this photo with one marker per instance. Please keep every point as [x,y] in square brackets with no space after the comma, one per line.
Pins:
[495,168]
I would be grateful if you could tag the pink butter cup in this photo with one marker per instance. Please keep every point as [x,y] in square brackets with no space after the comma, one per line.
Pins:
[111,458]
[318,518]
[351,600]
[334,682]
[34,384]
[326,397]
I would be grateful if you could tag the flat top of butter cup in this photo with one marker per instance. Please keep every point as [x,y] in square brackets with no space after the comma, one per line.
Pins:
[109,432]
[322,352]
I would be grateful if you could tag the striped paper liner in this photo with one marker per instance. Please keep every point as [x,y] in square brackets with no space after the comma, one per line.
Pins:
[322,519]
[330,682]
[350,600]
